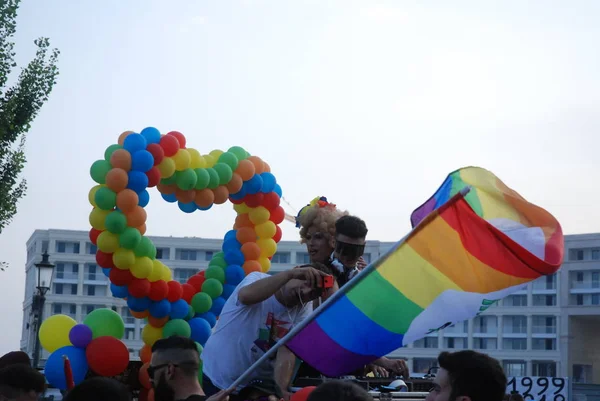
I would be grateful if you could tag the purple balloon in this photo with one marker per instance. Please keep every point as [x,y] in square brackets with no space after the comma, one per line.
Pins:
[80,335]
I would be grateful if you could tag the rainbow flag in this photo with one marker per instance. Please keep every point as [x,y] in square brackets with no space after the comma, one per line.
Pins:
[466,252]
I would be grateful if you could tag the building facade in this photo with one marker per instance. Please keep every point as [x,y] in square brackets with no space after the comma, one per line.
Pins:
[548,329]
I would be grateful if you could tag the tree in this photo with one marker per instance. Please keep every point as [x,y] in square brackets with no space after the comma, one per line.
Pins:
[19,105]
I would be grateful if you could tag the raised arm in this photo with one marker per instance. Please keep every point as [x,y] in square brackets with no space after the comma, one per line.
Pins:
[285,363]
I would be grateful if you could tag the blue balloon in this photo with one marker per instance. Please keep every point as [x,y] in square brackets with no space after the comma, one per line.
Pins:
[119,291]
[234,274]
[138,181]
[277,190]
[231,244]
[138,304]
[106,271]
[179,309]
[171,198]
[230,235]
[205,208]
[151,135]
[134,142]
[235,257]
[142,160]
[55,371]
[239,194]
[209,317]
[254,184]
[268,183]
[160,309]
[144,198]
[200,330]
[217,305]
[187,207]
[228,290]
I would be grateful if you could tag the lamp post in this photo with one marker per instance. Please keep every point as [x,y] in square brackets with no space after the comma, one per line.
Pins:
[45,271]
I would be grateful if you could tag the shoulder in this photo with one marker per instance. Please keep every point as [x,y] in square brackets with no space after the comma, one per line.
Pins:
[252,277]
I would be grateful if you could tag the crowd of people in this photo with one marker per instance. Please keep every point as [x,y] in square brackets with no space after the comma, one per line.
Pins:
[262,309]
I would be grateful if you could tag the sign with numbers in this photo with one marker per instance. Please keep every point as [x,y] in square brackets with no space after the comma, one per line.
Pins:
[540,388]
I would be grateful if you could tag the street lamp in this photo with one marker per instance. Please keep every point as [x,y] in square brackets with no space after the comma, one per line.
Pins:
[45,271]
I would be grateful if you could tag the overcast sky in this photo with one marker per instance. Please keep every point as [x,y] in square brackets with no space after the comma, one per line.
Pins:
[369,103]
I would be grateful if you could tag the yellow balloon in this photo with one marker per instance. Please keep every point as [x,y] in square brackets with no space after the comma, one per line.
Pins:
[216,154]
[166,274]
[241,208]
[259,215]
[92,195]
[98,217]
[196,160]
[151,334]
[108,242]
[142,267]
[210,160]
[268,247]
[166,167]
[54,332]
[182,159]
[268,229]
[265,264]
[156,273]
[124,258]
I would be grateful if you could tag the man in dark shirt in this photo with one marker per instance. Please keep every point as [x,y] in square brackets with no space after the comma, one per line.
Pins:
[350,239]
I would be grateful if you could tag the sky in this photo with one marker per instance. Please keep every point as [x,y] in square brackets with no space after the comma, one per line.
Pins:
[369,103]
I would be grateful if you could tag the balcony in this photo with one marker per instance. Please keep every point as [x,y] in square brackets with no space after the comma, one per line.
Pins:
[543,329]
[585,286]
[66,277]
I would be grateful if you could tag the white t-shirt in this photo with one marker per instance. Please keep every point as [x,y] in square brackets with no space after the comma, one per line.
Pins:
[244,332]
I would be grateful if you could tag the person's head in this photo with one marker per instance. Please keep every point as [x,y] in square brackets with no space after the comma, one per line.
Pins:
[21,382]
[297,292]
[339,391]
[14,357]
[99,389]
[350,239]
[174,366]
[317,228]
[468,376]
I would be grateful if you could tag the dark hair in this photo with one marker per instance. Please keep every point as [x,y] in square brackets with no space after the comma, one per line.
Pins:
[14,357]
[351,226]
[98,389]
[339,391]
[475,375]
[19,379]
[176,344]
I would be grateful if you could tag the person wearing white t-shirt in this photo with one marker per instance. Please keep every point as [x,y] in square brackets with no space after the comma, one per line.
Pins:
[261,310]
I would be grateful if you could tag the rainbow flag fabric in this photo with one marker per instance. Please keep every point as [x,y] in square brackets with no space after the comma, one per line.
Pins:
[464,253]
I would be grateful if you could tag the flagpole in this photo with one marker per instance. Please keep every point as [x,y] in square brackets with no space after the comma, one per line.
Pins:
[340,293]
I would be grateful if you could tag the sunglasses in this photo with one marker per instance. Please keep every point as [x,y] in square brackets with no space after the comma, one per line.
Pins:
[351,251]
[153,369]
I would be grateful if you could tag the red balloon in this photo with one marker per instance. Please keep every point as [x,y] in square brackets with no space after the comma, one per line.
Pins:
[175,291]
[278,233]
[157,153]
[180,138]
[120,277]
[107,356]
[236,201]
[188,292]
[143,395]
[277,215]
[94,235]
[139,287]
[158,290]
[153,177]
[254,200]
[302,394]
[104,260]
[271,200]
[170,145]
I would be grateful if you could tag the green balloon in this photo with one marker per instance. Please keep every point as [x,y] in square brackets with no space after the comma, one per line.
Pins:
[215,272]
[169,180]
[191,313]
[145,248]
[219,254]
[224,172]
[212,287]
[99,170]
[202,302]
[186,179]
[177,327]
[216,261]
[214,178]
[116,222]
[230,159]
[199,347]
[202,178]
[105,322]
[239,152]
[200,374]
[105,198]
[130,238]
[110,150]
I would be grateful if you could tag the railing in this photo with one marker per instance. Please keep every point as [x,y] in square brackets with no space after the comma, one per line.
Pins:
[585,285]
[543,329]
[67,276]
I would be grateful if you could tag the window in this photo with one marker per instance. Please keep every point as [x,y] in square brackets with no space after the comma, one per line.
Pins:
[595,254]
[187,254]
[75,268]
[544,300]
[458,328]
[514,343]
[544,325]
[367,258]
[579,299]
[577,254]
[281,257]
[91,248]
[302,258]
[582,373]
[485,343]
[427,342]
[485,325]
[91,290]
[95,290]
[515,368]
[595,299]
[58,288]
[515,324]
[127,316]
[45,245]
[208,255]
[182,275]
[456,343]
[595,279]
[162,253]
[76,247]
[73,288]
[515,300]
[422,365]
[579,277]
[65,309]
[57,309]
[129,333]
[543,368]
[544,344]
[61,247]
[72,309]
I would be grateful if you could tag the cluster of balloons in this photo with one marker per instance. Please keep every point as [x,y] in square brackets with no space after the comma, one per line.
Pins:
[94,345]
[194,182]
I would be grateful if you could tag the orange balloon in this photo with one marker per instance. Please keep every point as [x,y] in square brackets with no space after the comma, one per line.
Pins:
[259,165]
[251,251]
[221,194]
[142,229]
[267,167]
[145,353]
[185,196]
[139,315]
[204,198]
[243,220]
[235,184]
[136,217]
[245,169]
[117,179]
[127,200]
[122,137]
[245,234]
[143,376]
[166,189]
[251,266]
[121,159]
[158,322]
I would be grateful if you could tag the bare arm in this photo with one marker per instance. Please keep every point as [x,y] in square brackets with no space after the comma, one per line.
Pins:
[284,370]
[264,288]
